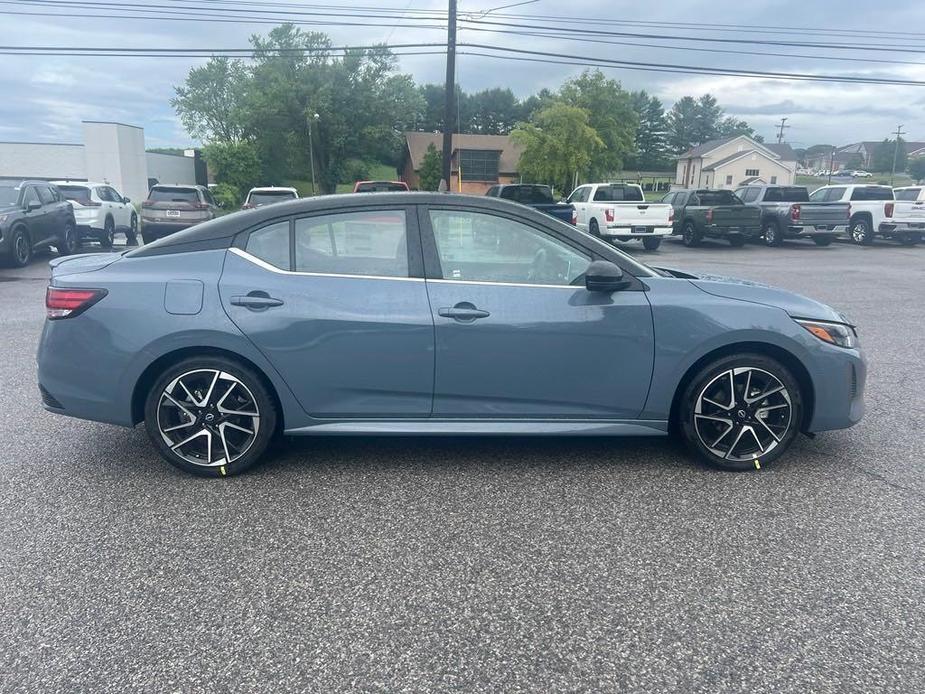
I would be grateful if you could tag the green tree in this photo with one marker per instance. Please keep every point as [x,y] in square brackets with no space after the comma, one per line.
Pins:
[682,125]
[651,146]
[882,159]
[610,115]
[732,126]
[431,170]
[234,164]
[916,169]
[709,117]
[493,111]
[211,102]
[558,145]
[692,122]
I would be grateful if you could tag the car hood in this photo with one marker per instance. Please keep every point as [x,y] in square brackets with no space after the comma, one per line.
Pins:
[795,305]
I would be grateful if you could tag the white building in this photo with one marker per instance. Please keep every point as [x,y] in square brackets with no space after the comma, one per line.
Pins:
[112,153]
[735,161]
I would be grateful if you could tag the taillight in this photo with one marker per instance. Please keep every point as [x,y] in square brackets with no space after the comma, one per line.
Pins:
[709,216]
[67,303]
[574,216]
[794,213]
[671,216]
[888,209]
[201,206]
[608,214]
[148,203]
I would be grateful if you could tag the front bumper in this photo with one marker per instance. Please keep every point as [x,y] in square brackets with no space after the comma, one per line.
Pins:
[625,233]
[840,377]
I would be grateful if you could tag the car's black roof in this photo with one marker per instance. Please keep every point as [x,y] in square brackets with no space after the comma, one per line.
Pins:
[219,232]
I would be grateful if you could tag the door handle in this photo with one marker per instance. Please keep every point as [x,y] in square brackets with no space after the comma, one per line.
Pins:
[464,312]
[256,301]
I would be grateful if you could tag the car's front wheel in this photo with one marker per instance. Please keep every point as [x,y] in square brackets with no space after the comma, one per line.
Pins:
[20,248]
[741,412]
[210,416]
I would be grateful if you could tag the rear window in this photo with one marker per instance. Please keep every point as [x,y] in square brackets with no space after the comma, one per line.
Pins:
[380,187]
[165,194]
[786,194]
[618,194]
[709,198]
[872,193]
[908,194]
[79,194]
[528,195]
[268,197]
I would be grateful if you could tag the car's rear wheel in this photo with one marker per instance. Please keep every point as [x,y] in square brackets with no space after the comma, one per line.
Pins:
[741,412]
[861,231]
[210,416]
[652,243]
[772,234]
[20,248]
[690,235]
[70,241]
[822,240]
[109,233]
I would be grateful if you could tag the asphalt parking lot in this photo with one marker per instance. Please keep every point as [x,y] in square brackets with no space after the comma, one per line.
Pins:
[479,564]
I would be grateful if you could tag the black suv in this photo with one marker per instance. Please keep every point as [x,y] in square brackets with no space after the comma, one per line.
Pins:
[33,216]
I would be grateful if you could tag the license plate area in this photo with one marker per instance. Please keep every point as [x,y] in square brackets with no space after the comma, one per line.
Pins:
[641,230]
[173,213]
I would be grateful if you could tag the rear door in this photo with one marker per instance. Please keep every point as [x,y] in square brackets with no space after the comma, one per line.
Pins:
[517,333]
[338,304]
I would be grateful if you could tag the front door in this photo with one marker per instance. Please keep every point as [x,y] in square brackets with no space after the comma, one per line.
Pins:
[517,333]
[332,302]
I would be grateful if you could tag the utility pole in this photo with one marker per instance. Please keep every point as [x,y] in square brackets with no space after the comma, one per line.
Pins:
[449,116]
[780,130]
[899,133]
[832,164]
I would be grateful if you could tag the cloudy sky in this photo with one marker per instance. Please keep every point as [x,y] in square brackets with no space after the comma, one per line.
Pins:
[44,98]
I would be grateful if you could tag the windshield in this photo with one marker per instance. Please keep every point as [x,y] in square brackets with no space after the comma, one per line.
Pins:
[618,194]
[908,194]
[79,194]
[8,196]
[380,187]
[268,197]
[173,195]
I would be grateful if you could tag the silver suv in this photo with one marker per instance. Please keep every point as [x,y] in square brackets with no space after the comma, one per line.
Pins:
[169,209]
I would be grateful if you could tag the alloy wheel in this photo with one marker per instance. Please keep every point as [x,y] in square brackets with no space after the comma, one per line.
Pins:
[21,249]
[208,417]
[743,414]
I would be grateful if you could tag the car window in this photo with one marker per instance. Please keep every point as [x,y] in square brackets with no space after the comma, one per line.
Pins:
[353,243]
[113,195]
[908,194]
[486,248]
[613,193]
[835,194]
[579,194]
[9,196]
[492,192]
[380,187]
[668,199]
[208,197]
[872,193]
[819,195]
[79,194]
[45,194]
[173,194]
[717,197]
[751,194]
[103,194]
[268,197]
[271,244]
[30,196]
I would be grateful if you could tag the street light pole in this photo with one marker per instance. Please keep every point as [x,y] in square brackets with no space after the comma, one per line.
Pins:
[311,151]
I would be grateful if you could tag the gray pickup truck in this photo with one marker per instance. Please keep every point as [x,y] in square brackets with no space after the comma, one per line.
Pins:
[786,212]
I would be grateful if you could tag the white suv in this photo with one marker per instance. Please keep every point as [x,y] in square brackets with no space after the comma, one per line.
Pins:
[101,212]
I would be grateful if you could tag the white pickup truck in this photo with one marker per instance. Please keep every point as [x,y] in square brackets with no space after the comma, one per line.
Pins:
[619,212]
[875,211]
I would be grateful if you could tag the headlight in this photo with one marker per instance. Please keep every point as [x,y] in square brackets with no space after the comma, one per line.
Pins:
[834,333]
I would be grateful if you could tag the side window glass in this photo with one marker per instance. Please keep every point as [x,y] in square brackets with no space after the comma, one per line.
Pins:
[353,243]
[818,195]
[114,196]
[271,245]
[29,196]
[45,195]
[485,248]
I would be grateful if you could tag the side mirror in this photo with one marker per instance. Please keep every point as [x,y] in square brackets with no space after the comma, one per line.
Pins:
[126,200]
[604,276]
[34,205]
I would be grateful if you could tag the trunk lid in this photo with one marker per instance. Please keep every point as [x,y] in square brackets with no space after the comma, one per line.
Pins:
[641,213]
[78,264]
[823,214]
[735,215]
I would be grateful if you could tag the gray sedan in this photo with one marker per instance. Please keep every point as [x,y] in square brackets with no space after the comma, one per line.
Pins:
[432,314]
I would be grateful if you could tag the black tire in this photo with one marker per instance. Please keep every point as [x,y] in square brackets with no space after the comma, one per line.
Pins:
[772,234]
[108,237]
[69,243]
[148,238]
[736,241]
[20,248]
[711,376]
[822,240]
[690,236]
[910,239]
[651,243]
[594,229]
[861,231]
[253,389]
[131,236]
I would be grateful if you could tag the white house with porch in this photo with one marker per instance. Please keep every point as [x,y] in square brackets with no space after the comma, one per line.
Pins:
[734,161]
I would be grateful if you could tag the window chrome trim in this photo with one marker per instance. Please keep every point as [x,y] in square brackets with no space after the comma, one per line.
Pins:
[272,268]
[573,287]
